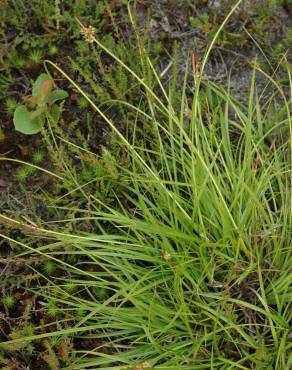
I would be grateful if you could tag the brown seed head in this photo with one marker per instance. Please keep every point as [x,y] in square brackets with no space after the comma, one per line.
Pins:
[143,366]
[167,256]
[88,34]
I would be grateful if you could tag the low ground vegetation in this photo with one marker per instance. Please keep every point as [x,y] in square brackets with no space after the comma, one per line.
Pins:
[158,234]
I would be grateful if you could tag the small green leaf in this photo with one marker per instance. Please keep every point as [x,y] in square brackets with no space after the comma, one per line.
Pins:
[24,123]
[38,112]
[195,22]
[46,88]
[55,113]
[38,83]
[56,95]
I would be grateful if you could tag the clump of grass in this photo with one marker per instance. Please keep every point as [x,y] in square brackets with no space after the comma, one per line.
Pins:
[24,172]
[53,49]
[193,259]
[36,56]
[52,309]
[10,105]
[19,62]
[70,287]
[83,103]
[38,156]
[9,300]
[49,267]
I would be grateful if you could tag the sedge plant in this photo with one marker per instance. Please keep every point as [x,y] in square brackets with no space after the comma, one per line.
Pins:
[194,258]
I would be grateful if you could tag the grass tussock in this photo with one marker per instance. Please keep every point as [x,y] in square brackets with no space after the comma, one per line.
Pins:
[191,266]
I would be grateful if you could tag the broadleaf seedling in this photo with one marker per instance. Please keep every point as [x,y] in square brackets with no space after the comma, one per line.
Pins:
[43,101]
